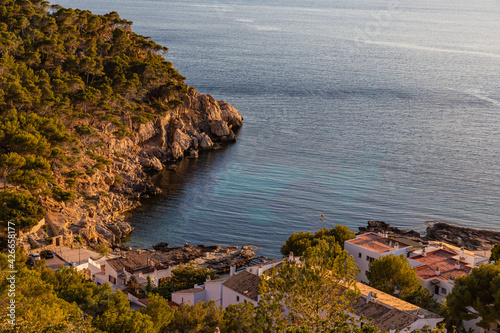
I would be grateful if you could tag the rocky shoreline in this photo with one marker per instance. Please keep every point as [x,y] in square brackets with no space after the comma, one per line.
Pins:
[106,193]
[213,257]
[468,238]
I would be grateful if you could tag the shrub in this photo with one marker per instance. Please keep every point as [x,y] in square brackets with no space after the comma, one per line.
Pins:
[118,180]
[61,195]
[84,130]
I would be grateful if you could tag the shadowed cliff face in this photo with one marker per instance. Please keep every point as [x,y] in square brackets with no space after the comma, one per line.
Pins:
[201,123]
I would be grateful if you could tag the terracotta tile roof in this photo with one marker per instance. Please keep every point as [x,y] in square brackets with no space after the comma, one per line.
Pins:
[245,283]
[434,257]
[442,259]
[376,243]
[389,312]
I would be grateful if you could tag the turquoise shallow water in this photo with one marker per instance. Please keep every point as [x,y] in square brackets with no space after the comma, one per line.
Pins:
[356,110]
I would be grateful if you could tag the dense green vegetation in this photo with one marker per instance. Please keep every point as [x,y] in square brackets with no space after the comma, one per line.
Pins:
[495,253]
[394,275]
[476,296]
[314,296]
[62,72]
[63,301]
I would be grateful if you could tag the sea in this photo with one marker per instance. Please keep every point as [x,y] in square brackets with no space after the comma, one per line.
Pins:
[354,110]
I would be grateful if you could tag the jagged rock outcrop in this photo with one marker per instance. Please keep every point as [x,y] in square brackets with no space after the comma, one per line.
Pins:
[470,239]
[214,257]
[202,123]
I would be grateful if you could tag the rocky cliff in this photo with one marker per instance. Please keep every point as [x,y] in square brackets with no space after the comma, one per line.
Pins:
[468,238]
[95,216]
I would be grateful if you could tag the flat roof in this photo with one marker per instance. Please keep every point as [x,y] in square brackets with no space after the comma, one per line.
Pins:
[188,291]
[376,243]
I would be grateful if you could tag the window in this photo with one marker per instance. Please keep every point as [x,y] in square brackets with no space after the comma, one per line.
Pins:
[112,279]
[372,259]
[237,298]
[359,255]
[443,291]
[367,258]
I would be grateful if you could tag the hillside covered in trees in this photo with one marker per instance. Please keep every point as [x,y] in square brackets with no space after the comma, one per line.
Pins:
[87,109]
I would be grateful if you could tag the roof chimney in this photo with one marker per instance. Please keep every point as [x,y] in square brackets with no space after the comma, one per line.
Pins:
[457,265]
[397,245]
[290,256]
[437,272]
[423,252]
[369,297]
[232,270]
[390,245]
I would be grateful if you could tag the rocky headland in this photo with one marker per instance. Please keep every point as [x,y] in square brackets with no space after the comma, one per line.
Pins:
[468,238]
[96,215]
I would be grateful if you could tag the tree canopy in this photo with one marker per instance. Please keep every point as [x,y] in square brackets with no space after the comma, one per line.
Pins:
[298,243]
[495,253]
[64,73]
[393,275]
[476,295]
[314,296]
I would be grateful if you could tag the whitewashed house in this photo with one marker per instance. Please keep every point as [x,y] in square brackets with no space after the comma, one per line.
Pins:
[233,289]
[365,248]
[117,272]
[210,290]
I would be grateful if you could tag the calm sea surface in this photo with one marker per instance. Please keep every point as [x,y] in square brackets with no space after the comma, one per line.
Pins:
[356,110]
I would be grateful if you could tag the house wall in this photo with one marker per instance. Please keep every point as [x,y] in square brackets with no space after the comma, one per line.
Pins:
[362,262]
[189,298]
[109,271]
[230,296]
[442,284]
[200,297]
[419,324]
[213,290]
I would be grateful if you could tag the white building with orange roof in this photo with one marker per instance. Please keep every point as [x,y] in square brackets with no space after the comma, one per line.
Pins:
[438,269]
[365,248]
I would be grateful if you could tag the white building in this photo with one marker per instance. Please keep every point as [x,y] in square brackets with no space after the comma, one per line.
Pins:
[438,267]
[117,272]
[210,290]
[233,289]
[365,248]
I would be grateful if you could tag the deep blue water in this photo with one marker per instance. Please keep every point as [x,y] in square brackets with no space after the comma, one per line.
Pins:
[357,110]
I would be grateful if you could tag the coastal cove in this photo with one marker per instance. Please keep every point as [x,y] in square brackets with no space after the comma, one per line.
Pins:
[345,115]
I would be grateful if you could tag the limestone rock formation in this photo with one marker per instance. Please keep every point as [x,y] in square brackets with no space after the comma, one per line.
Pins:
[200,124]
